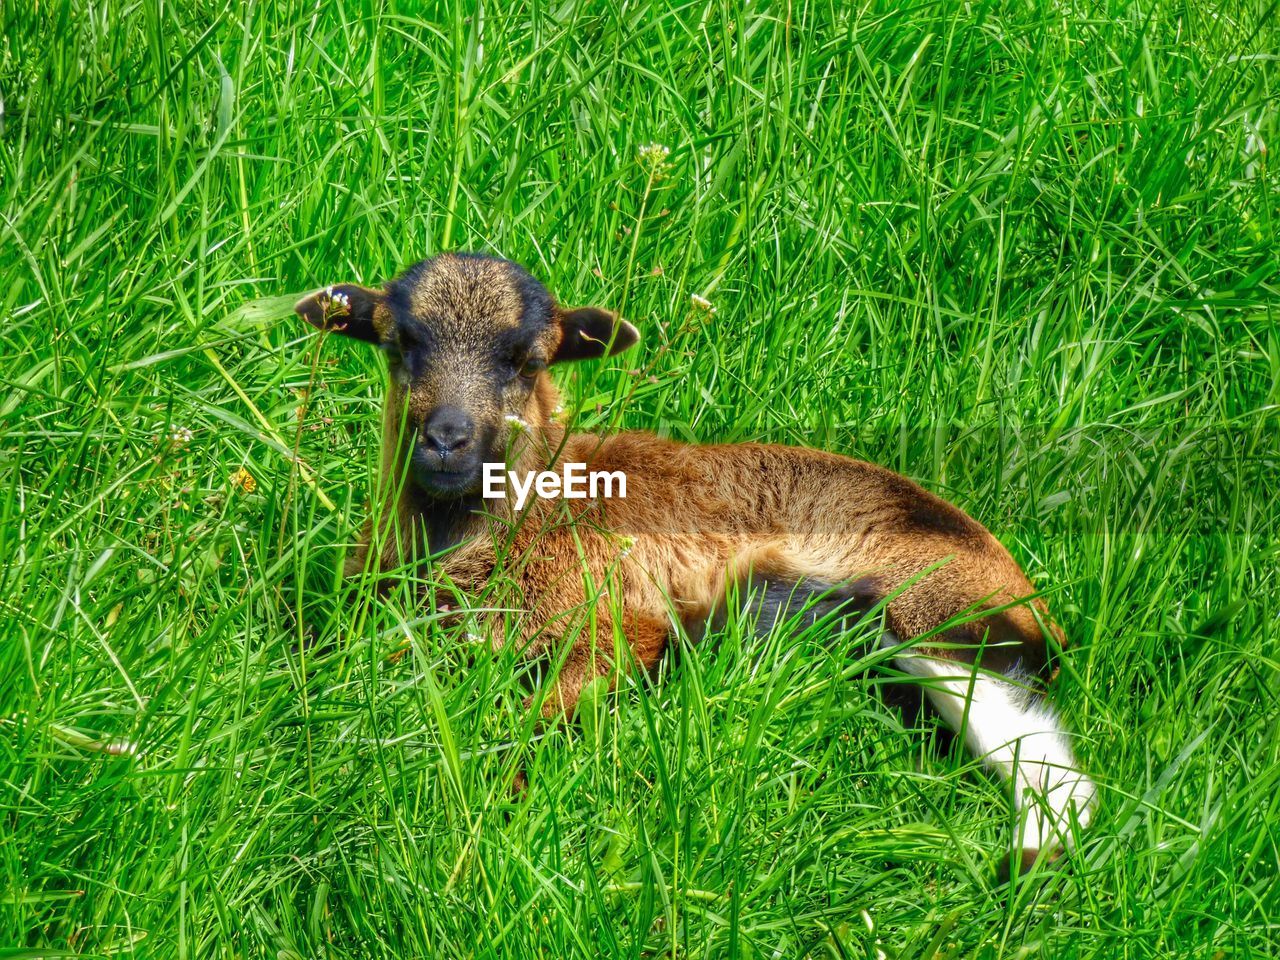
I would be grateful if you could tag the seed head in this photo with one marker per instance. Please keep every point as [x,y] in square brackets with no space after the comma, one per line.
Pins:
[653,157]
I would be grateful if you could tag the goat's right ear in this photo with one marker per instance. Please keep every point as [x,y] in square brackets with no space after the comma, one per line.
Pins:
[348,309]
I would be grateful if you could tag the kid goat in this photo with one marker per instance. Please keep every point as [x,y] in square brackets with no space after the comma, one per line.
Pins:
[468,340]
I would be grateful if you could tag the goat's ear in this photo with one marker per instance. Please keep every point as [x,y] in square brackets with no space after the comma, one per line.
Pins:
[589,332]
[348,309]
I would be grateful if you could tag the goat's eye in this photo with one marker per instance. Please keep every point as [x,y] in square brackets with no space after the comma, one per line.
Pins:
[532,366]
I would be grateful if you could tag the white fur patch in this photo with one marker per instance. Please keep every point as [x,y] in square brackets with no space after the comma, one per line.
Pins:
[1017,733]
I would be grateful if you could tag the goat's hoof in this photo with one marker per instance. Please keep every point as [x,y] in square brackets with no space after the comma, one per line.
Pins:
[519,785]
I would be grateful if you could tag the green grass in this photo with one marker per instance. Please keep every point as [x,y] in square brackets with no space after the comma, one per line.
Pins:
[1024,252]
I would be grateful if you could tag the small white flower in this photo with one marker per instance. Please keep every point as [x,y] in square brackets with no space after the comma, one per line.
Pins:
[702,303]
[180,436]
[335,303]
[518,423]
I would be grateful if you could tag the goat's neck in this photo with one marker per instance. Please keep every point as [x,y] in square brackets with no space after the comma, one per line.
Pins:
[444,523]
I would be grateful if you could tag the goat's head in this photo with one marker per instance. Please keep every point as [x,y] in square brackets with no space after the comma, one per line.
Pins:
[468,339]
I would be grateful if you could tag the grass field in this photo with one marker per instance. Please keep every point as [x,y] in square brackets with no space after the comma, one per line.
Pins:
[1023,252]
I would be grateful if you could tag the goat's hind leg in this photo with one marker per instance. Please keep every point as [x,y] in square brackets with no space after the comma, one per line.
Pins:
[1015,731]
[1002,719]
[770,601]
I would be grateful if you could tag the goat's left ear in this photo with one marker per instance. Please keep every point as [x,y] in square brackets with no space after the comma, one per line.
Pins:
[348,309]
[590,332]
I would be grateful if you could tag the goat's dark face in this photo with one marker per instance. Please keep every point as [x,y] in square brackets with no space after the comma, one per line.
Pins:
[468,339]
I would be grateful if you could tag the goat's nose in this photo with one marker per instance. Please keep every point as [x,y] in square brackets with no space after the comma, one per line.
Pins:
[448,430]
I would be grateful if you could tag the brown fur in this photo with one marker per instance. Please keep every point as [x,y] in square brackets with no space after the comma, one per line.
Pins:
[696,518]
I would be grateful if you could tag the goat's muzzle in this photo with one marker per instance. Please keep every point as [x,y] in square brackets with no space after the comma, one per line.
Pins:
[447,454]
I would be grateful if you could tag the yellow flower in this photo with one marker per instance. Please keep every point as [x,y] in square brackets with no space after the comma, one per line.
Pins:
[243,479]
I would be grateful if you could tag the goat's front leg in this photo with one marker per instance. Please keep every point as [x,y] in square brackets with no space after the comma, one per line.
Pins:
[645,637]
[585,661]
